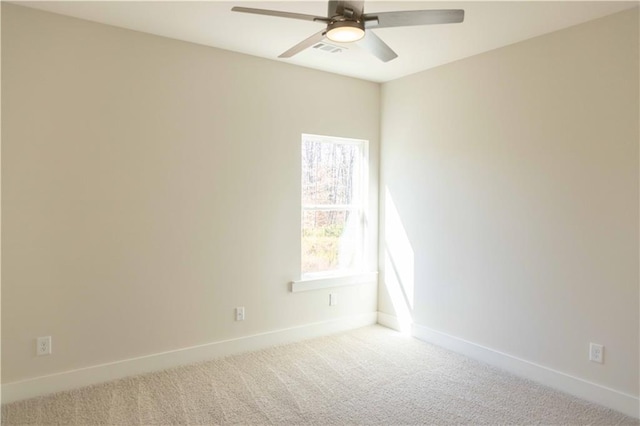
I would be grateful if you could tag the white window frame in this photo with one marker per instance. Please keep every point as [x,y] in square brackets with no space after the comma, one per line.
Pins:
[313,280]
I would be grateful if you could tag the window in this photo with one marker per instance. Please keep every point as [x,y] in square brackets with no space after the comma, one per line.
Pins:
[334,189]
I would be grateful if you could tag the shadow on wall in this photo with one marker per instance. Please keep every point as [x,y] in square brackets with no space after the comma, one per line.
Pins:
[398,264]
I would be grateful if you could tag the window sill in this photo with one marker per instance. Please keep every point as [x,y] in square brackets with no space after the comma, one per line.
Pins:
[334,281]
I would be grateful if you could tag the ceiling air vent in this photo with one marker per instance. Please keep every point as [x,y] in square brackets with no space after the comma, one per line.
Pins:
[326,47]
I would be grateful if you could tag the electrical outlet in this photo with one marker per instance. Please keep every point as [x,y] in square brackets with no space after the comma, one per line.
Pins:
[240,313]
[43,346]
[596,353]
[333,299]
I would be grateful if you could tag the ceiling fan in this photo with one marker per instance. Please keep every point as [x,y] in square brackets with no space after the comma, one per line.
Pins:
[347,22]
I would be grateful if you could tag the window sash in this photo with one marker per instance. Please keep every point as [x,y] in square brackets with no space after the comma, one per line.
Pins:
[356,208]
[329,207]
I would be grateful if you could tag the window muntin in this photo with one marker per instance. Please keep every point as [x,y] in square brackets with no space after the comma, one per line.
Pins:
[333,205]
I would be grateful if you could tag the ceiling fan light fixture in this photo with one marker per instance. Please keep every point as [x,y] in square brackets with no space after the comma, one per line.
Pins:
[345,31]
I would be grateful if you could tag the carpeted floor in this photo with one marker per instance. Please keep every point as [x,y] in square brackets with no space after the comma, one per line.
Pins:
[371,375]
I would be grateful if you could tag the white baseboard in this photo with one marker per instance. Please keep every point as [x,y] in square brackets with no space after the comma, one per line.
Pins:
[610,398]
[130,367]
[389,321]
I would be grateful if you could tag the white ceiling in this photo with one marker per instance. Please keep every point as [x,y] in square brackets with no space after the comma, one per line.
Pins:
[487,26]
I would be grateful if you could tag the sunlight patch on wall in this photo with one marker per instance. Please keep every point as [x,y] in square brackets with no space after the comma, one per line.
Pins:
[398,264]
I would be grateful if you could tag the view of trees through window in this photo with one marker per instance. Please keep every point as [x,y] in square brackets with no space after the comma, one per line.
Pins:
[331,204]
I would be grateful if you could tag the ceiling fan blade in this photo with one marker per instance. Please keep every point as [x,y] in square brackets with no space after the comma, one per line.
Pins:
[280,14]
[317,37]
[379,48]
[413,17]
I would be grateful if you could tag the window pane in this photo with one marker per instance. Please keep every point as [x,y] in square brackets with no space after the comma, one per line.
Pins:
[330,173]
[331,240]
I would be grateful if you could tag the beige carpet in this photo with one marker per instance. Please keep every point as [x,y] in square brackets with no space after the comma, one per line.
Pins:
[368,376]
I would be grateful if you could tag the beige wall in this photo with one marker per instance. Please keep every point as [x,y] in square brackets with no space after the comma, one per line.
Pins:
[514,174]
[150,186]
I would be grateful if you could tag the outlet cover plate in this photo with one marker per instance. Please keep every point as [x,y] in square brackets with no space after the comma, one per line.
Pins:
[43,346]
[596,353]
[333,299]
[240,313]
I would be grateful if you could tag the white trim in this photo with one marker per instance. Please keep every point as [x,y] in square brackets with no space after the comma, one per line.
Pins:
[334,139]
[115,370]
[334,281]
[389,321]
[611,398]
